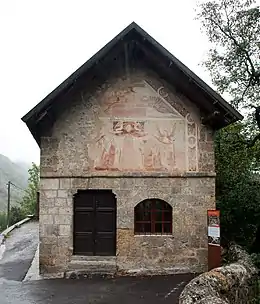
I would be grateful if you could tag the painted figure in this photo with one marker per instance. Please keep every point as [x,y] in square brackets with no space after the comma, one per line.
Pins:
[129,141]
[121,148]
[167,151]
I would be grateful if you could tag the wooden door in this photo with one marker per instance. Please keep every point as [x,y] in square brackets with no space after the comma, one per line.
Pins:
[95,223]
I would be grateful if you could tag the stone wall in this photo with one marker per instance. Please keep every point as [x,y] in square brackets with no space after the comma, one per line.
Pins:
[183,251]
[141,138]
[139,125]
[235,283]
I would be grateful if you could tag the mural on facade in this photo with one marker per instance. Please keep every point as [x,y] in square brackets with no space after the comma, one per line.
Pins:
[139,131]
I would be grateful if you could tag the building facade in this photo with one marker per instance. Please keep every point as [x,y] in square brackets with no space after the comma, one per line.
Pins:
[127,168]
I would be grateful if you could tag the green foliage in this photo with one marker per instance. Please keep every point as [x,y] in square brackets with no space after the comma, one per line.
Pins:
[256,259]
[233,30]
[29,201]
[16,215]
[2,221]
[17,173]
[237,190]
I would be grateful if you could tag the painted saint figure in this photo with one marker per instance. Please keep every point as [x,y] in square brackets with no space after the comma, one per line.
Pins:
[129,134]
[167,151]
[121,148]
[106,154]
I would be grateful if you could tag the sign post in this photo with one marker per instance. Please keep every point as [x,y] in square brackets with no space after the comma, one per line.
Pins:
[214,249]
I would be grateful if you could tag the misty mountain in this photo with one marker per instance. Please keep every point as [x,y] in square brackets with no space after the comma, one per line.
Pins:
[17,173]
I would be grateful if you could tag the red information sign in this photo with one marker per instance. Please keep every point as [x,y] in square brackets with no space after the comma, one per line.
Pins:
[214,249]
[214,227]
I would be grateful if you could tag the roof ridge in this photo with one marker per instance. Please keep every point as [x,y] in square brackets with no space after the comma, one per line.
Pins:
[159,54]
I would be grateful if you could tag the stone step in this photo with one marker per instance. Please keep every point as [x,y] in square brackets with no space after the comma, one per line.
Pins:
[92,265]
[82,274]
[85,265]
[92,258]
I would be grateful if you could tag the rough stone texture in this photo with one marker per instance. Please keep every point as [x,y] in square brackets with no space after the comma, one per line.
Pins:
[234,283]
[183,251]
[129,125]
[142,139]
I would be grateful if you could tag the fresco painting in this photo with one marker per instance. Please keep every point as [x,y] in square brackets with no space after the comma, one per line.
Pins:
[138,132]
[192,148]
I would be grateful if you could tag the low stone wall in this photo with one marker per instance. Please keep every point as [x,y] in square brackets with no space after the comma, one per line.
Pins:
[4,233]
[234,283]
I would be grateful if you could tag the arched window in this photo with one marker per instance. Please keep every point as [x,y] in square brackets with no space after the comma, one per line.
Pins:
[153,216]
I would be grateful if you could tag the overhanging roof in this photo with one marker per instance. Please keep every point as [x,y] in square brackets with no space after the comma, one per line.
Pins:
[142,47]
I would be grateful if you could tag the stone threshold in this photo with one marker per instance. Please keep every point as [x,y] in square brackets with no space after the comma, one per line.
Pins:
[89,265]
[86,266]
[83,272]
[92,258]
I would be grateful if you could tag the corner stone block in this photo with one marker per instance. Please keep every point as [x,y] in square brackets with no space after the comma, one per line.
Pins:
[70,202]
[50,230]
[62,193]
[65,210]
[65,242]
[53,210]
[41,229]
[210,201]
[49,240]
[60,202]
[49,184]
[62,219]
[44,209]
[65,183]
[64,230]
[49,193]
[44,201]
[46,219]
[80,183]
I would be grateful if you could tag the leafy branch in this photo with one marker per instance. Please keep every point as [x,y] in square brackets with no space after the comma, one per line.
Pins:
[233,28]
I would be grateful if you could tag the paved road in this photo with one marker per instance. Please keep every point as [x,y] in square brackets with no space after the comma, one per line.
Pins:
[149,290]
[20,248]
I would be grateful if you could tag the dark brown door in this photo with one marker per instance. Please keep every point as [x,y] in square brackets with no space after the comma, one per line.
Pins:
[95,222]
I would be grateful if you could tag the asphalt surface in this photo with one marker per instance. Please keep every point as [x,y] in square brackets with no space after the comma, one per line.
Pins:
[19,252]
[20,248]
[165,289]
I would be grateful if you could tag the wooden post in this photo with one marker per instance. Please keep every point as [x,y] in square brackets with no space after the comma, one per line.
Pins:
[8,204]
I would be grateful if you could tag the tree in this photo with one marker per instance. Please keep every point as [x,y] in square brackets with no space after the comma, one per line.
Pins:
[233,30]
[3,221]
[237,191]
[29,200]
[16,215]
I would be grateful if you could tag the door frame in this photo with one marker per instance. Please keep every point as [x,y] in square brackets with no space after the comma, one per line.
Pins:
[94,214]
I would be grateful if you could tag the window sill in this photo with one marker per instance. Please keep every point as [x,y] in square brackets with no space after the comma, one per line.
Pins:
[154,235]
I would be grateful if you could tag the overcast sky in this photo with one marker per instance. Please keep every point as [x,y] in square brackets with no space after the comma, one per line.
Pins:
[43,42]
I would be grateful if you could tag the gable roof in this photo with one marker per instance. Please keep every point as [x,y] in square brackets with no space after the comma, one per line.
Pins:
[143,48]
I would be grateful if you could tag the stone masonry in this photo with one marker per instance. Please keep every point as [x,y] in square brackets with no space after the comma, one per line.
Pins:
[91,148]
[234,283]
[185,250]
